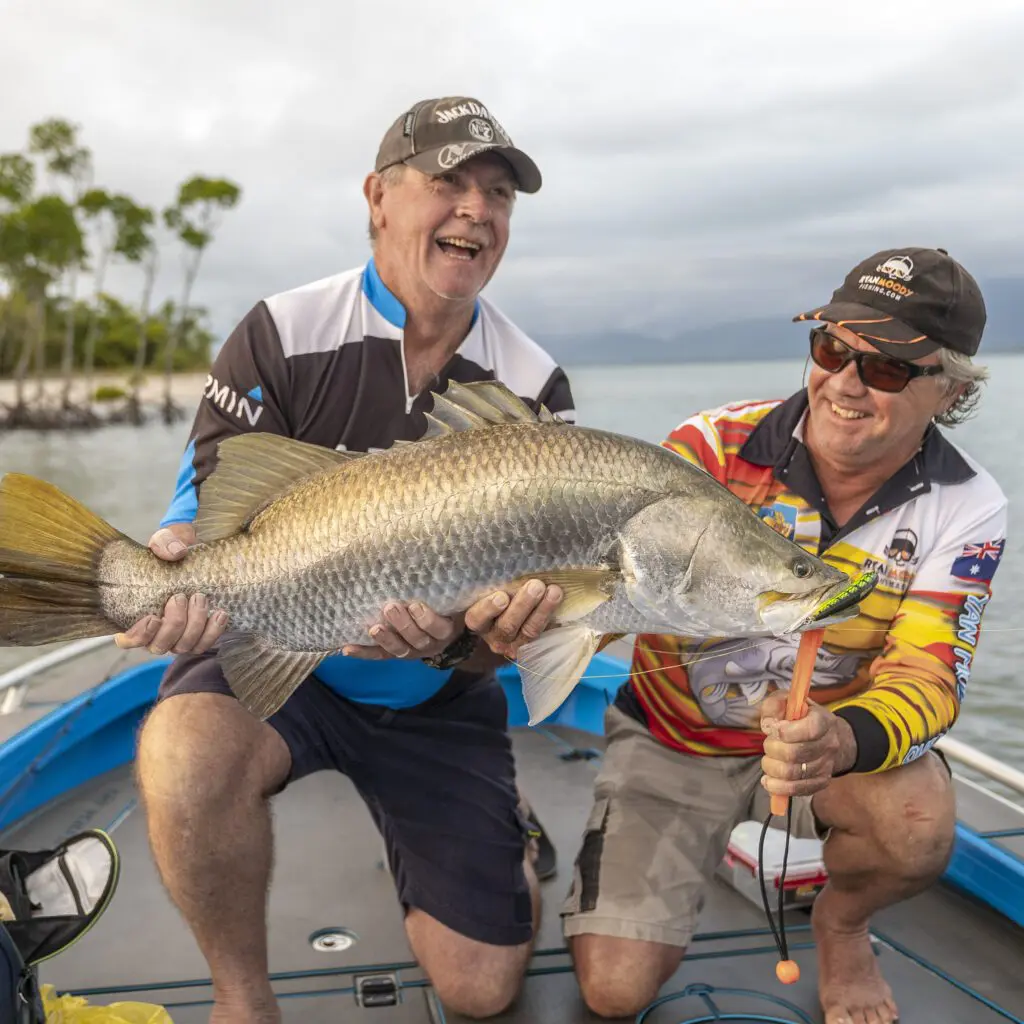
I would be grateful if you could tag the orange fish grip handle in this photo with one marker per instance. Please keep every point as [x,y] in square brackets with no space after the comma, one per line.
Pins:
[810,641]
[796,701]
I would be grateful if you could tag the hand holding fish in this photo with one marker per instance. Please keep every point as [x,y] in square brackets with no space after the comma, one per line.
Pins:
[502,621]
[187,625]
[801,756]
[506,625]
[405,631]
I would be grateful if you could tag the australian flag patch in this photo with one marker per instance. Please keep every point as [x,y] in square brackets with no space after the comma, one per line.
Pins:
[978,561]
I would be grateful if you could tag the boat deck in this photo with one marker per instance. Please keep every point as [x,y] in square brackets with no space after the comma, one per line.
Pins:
[948,957]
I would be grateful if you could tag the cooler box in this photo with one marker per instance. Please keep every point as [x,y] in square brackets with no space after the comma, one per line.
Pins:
[805,868]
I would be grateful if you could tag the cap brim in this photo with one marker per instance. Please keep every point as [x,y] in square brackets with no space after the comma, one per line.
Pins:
[444,158]
[886,333]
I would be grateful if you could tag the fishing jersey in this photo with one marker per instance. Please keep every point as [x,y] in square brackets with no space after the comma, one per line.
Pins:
[898,672]
[325,364]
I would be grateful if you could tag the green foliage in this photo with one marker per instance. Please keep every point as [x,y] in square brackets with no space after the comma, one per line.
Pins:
[45,238]
[117,337]
[17,178]
[108,393]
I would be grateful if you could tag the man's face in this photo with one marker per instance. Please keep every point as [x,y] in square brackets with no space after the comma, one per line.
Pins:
[445,234]
[852,423]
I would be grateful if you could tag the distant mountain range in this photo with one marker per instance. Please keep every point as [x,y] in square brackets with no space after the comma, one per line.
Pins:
[764,338]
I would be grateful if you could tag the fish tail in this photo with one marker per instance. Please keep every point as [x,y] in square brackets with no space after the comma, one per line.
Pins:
[50,547]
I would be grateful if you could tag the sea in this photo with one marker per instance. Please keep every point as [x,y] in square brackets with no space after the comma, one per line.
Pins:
[127,475]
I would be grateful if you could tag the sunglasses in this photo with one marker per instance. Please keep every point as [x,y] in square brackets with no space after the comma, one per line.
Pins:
[877,371]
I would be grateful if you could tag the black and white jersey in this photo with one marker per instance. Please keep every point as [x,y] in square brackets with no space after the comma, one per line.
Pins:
[324,363]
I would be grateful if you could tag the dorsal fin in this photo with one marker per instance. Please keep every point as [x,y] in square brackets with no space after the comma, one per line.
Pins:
[479,404]
[252,470]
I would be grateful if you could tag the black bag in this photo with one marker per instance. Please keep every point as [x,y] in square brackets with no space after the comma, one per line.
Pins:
[53,897]
[19,992]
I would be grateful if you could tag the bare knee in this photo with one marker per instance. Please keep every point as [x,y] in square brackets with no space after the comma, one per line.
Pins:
[619,977]
[203,748]
[906,815]
[474,979]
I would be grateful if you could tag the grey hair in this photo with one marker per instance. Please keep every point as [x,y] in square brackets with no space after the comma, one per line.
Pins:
[389,176]
[958,369]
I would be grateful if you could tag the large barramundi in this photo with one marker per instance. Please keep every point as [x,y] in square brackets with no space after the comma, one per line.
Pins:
[302,546]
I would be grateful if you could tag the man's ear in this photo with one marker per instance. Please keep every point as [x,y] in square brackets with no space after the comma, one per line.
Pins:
[373,190]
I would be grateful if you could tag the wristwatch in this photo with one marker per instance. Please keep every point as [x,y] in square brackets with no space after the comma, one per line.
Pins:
[458,650]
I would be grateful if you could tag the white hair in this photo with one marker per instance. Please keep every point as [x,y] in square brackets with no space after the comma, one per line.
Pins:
[959,370]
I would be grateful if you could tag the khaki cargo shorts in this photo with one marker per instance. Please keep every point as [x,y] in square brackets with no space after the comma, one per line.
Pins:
[658,829]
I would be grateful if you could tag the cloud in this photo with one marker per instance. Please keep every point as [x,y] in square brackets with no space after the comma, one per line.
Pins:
[701,162]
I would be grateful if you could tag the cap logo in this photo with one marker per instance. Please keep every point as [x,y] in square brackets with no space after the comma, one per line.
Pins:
[455,152]
[481,130]
[901,268]
[470,109]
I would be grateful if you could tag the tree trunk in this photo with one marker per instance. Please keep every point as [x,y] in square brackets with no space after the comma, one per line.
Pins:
[171,411]
[90,335]
[40,353]
[135,401]
[67,364]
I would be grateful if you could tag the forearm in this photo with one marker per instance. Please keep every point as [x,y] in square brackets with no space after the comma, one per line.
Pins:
[897,720]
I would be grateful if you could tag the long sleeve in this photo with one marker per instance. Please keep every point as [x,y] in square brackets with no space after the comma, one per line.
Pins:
[919,681]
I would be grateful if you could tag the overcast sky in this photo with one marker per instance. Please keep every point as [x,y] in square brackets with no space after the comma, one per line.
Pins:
[703,162]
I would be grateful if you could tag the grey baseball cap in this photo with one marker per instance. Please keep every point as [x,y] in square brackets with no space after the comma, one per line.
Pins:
[436,135]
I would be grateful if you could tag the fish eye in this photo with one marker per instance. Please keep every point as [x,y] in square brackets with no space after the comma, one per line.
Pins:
[802,569]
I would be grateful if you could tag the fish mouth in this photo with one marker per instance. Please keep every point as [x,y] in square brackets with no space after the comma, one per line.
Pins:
[837,602]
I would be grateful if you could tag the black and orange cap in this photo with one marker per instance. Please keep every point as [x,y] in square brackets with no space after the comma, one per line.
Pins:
[907,303]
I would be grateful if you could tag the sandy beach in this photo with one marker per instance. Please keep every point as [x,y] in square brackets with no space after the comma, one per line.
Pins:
[186,388]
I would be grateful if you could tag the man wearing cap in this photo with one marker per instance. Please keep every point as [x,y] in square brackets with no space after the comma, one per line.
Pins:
[417,721]
[855,468]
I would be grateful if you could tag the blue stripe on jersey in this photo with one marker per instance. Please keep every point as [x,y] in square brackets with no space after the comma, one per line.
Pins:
[384,301]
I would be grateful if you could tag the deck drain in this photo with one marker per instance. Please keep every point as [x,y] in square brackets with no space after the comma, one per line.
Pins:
[333,940]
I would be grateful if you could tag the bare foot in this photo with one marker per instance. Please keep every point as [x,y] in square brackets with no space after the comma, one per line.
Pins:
[850,985]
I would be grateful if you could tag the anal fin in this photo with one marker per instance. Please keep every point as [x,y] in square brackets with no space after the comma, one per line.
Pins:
[552,665]
[263,676]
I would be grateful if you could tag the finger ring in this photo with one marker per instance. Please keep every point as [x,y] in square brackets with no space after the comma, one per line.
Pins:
[803,768]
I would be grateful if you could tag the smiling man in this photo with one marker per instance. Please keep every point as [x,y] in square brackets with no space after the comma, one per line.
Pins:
[418,721]
[856,469]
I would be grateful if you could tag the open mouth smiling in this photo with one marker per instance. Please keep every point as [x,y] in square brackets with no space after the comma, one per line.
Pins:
[459,248]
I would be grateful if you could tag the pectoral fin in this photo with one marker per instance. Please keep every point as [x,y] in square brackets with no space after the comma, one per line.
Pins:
[583,590]
[552,665]
[262,676]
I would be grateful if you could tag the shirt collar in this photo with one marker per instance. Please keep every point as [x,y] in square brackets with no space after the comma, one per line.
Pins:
[777,441]
[387,303]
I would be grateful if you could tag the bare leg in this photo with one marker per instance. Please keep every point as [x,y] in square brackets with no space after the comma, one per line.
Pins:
[892,835]
[206,768]
[619,977]
[472,978]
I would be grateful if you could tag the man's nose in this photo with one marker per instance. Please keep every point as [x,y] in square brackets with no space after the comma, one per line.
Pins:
[473,205]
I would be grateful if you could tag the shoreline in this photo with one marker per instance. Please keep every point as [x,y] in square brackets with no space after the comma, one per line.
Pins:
[186,388]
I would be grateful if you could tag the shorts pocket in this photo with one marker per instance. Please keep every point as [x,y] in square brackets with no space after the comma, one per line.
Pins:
[586,880]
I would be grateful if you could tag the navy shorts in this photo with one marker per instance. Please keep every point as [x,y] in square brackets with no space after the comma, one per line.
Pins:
[438,780]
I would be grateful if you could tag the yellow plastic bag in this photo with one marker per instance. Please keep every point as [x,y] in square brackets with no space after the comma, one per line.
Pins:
[68,1009]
